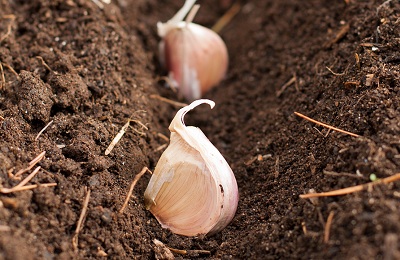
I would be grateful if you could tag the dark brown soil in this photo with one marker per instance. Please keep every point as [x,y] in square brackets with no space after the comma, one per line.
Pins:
[88,70]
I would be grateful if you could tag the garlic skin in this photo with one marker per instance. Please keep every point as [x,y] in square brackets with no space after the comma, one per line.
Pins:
[193,190]
[195,56]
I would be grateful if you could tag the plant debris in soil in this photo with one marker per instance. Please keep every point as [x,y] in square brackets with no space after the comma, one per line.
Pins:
[74,72]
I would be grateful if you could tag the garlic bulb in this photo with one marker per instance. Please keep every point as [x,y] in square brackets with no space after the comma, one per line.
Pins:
[192,190]
[195,56]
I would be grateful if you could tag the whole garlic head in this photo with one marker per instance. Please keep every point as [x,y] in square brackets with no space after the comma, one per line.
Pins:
[192,190]
[195,56]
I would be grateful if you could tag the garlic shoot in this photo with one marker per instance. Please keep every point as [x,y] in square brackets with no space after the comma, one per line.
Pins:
[195,56]
[192,190]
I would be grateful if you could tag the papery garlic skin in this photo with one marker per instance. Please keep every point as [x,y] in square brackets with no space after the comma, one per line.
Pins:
[192,190]
[195,56]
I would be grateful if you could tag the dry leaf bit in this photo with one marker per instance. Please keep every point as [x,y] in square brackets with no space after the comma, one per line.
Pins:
[192,190]
[195,56]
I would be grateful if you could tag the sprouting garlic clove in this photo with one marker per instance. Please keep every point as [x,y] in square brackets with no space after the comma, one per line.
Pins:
[195,56]
[192,190]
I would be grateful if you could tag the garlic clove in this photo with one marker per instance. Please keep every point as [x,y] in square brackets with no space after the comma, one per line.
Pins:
[196,57]
[192,190]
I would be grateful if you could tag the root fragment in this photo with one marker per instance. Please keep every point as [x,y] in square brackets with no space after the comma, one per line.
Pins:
[44,63]
[186,252]
[10,17]
[334,73]
[2,75]
[166,250]
[169,82]
[133,184]
[11,69]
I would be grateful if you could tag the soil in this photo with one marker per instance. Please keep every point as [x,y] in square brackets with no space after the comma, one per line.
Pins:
[87,70]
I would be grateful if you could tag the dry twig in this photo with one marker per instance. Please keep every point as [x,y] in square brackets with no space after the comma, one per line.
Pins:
[276,172]
[258,157]
[22,185]
[116,138]
[122,132]
[169,101]
[357,58]
[44,128]
[325,125]
[349,84]
[352,189]
[161,147]
[304,227]
[251,161]
[2,77]
[133,184]
[4,228]
[343,174]
[328,225]
[80,220]
[30,165]
[340,34]
[226,18]
[100,4]
[164,137]
[287,84]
